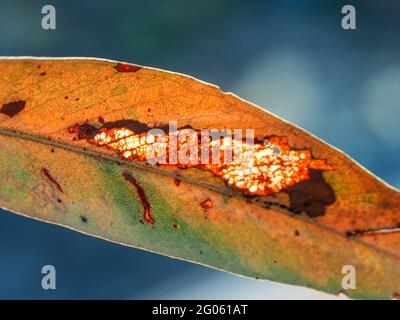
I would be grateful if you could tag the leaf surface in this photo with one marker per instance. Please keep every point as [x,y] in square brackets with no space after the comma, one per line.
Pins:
[55,166]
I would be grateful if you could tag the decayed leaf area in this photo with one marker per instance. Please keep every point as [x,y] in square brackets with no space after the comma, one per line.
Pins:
[74,139]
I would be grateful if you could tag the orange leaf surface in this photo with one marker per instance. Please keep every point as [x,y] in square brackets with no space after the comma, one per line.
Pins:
[75,139]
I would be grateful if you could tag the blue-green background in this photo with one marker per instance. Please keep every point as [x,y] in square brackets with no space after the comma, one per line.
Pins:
[291,57]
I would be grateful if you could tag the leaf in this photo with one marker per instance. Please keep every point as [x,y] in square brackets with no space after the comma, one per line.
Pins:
[71,154]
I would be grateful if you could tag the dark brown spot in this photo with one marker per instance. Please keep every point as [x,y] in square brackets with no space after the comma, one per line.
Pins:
[83,219]
[123,67]
[88,130]
[43,74]
[143,198]
[84,131]
[48,175]
[355,232]
[311,196]
[296,233]
[177,182]
[206,204]
[59,200]
[13,108]
[66,97]
[175,226]
[149,109]
[136,126]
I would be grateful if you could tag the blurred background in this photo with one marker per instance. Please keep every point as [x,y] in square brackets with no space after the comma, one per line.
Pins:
[291,57]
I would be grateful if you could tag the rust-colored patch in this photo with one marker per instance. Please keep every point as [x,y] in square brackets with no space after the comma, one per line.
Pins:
[272,167]
[48,175]
[143,198]
[177,182]
[12,108]
[206,204]
[395,296]
[123,67]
